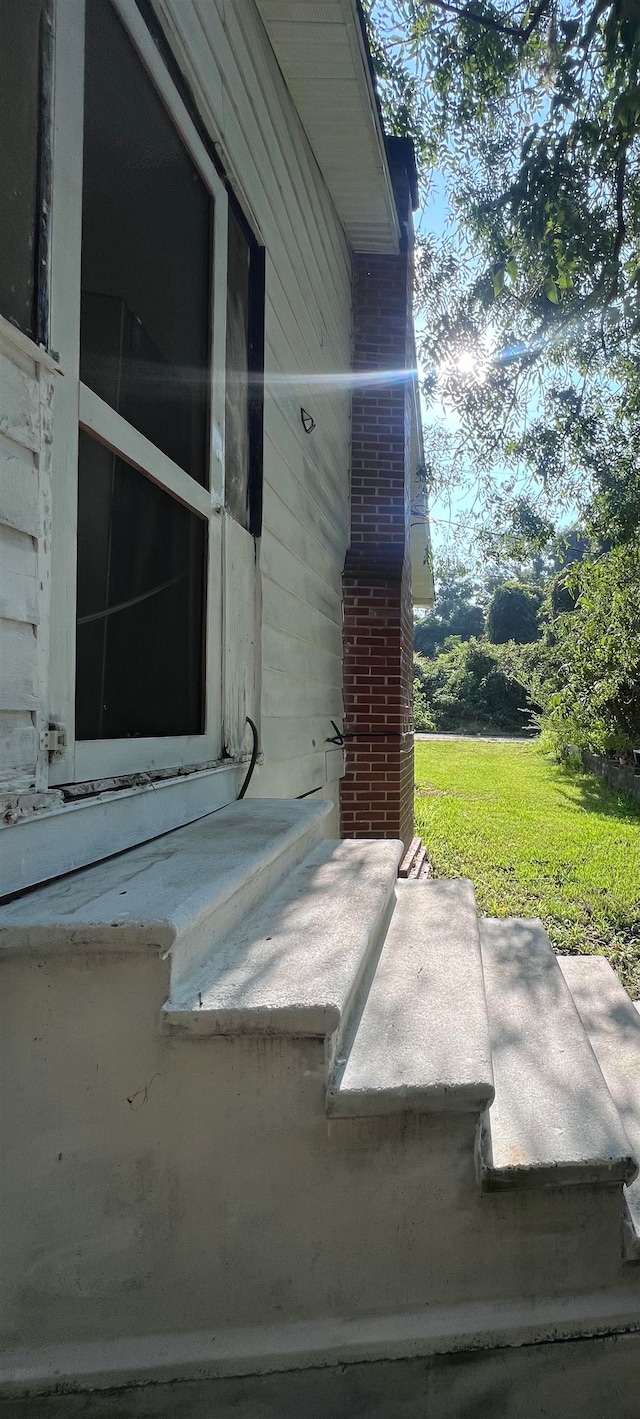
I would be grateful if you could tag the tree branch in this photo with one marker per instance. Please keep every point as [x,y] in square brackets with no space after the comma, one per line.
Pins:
[487,22]
[621,172]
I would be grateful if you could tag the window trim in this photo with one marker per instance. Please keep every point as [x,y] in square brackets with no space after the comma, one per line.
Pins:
[79,407]
[106,425]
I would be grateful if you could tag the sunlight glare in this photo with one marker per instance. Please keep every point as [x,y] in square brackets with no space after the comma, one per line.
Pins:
[466,363]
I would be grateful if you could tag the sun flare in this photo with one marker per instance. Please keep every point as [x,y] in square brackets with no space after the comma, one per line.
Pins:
[467,363]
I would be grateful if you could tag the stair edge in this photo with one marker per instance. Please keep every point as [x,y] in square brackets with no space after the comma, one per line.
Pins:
[615,1168]
[464,1095]
[595,964]
[322,1019]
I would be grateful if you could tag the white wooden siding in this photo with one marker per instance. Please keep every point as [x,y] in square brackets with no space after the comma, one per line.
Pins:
[25,440]
[226,56]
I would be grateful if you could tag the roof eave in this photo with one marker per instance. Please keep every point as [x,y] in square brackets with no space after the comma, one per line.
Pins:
[322,51]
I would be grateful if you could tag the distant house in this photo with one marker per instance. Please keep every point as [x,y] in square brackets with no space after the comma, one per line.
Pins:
[238,1140]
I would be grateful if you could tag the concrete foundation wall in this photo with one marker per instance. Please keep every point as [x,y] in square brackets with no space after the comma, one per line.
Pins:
[584,1379]
[170,1188]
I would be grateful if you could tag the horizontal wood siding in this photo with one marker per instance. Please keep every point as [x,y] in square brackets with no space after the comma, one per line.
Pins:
[226,56]
[25,440]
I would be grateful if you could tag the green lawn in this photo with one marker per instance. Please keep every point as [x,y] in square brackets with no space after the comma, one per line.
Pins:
[537,839]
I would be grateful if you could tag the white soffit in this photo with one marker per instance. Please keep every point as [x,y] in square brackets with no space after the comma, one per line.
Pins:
[321,51]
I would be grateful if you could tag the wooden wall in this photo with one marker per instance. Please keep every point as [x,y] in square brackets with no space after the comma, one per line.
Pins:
[25,442]
[225,54]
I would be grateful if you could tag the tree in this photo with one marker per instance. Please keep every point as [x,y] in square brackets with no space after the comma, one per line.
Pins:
[530,312]
[456,612]
[512,614]
[530,308]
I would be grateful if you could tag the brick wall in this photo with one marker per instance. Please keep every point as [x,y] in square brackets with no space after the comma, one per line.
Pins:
[377,790]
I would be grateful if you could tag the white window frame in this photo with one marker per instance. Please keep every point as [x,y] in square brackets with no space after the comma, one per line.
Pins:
[76,407]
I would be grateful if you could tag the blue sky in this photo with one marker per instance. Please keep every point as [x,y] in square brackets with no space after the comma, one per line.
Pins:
[451,529]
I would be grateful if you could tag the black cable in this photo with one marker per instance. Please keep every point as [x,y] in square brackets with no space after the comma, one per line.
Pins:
[337,738]
[254,759]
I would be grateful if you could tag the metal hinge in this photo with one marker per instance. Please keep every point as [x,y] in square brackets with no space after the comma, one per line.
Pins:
[53,741]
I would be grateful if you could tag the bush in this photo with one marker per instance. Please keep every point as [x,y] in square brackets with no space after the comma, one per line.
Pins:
[590,691]
[467,687]
[423,720]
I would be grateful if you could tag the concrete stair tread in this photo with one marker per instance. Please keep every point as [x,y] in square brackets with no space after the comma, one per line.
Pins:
[422,1042]
[292,965]
[553,1120]
[182,887]
[612,1023]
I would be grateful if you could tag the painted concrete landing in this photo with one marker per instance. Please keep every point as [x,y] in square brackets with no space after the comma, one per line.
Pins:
[293,964]
[553,1120]
[172,895]
[422,1043]
[613,1026]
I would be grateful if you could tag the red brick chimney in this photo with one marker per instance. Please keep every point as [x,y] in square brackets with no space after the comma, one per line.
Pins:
[376,797]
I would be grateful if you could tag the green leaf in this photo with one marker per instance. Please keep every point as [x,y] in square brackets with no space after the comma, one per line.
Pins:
[498,282]
[551,290]
[512,269]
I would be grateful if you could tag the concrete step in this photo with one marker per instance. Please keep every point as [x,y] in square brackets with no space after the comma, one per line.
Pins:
[613,1025]
[422,1042]
[553,1120]
[294,965]
[176,895]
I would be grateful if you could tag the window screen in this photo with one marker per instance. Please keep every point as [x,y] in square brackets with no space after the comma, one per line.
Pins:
[20,58]
[146,244]
[140,627]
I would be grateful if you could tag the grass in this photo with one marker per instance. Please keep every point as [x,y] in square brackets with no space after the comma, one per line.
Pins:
[537,839]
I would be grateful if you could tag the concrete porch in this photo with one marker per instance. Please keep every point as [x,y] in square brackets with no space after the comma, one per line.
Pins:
[290,1134]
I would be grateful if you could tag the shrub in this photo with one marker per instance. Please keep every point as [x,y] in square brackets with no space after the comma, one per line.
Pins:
[591,696]
[423,720]
[584,675]
[467,687]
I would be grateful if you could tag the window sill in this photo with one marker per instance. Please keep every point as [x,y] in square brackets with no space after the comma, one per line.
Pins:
[58,841]
[13,339]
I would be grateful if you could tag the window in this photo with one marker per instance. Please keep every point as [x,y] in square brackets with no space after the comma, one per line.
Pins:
[145,351]
[146,249]
[160,313]
[23,42]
